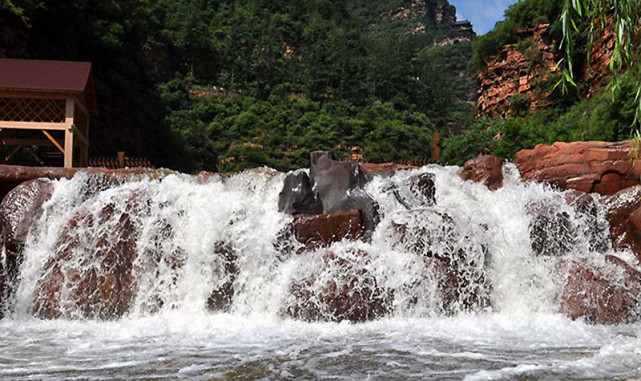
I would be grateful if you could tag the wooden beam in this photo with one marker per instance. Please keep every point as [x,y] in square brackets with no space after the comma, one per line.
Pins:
[15,150]
[54,141]
[34,125]
[69,133]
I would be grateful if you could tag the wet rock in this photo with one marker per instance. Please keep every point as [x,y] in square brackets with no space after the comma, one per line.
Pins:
[591,167]
[339,186]
[3,277]
[315,231]
[386,168]
[555,230]
[297,196]
[221,298]
[458,265]
[90,275]
[485,169]
[20,209]
[587,209]
[602,295]
[423,187]
[624,215]
[325,229]
[344,290]
[12,175]
[551,231]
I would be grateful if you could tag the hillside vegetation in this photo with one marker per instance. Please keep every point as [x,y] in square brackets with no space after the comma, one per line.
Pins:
[227,85]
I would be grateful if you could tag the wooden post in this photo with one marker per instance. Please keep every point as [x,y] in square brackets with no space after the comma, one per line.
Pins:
[69,133]
[121,159]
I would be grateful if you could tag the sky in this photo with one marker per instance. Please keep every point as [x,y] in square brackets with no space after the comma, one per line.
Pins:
[482,13]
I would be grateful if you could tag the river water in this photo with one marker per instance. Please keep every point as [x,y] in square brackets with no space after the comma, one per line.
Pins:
[521,335]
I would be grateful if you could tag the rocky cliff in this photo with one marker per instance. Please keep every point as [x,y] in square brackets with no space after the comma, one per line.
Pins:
[523,68]
[516,70]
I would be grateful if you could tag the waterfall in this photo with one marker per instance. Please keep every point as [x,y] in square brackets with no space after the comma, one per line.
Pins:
[181,233]
[190,277]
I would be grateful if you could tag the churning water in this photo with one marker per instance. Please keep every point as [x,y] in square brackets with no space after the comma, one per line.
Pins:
[168,332]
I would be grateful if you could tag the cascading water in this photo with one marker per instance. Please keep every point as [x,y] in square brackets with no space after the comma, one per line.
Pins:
[185,245]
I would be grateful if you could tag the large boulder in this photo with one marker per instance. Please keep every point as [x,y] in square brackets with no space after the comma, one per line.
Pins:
[599,167]
[623,212]
[551,231]
[339,186]
[344,289]
[555,229]
[12,175]
[456,262]
[297,196]
[222,296]
[485,169]
[90,274]
[607,295]
[20,209]
[310,232]
[324,229]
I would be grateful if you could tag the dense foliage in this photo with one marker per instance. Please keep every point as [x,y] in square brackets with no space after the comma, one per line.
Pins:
[230,84]
[605,117]
[190,84]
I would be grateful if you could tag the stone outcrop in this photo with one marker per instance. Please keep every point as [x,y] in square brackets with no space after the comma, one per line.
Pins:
[485,169]
[343,290]
[221,298]
[297,196]
[607,295]
[19,211]
[90,275]
[623,212]
[458,267]
[333,187]
[12,175]
[597,70]
[324,229]
[385,167]
[513,72]
[598,167]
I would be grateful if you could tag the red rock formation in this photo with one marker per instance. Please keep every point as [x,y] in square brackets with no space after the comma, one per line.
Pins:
[623,211]
[599,167]
[512,72]
[443,249]
[324,229]
[600,295]
[221,298]
[597,70]
[382,167]
[95,271]
[12,175]
[350,293]
[485,169]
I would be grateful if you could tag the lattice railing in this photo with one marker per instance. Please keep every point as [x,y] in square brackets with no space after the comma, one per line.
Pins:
[32,110]
[113,162]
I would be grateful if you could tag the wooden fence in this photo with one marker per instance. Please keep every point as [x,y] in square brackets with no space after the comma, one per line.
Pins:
[121,161]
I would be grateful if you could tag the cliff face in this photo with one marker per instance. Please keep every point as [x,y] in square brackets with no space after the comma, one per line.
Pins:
[598,69]
[516,71]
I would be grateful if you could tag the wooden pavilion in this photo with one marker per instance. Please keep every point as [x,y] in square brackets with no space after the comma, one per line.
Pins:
[47,103]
